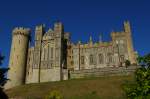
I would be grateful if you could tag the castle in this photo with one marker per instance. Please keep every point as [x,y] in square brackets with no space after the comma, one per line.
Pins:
[53,54]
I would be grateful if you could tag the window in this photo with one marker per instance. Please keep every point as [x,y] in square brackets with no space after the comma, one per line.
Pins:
[19,41]
[101,58]
[82,59]
[45,58]
[91,59]
[110,60]
[122,58]
[51,52]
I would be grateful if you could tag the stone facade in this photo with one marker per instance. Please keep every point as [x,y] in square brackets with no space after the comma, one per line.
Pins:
[53,54]
[103,54]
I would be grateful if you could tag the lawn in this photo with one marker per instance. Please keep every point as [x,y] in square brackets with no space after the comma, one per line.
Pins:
[87,88]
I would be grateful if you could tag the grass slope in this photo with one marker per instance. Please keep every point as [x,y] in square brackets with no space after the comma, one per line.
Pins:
[87,88]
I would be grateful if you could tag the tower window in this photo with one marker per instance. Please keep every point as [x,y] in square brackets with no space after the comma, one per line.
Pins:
[82,60]
[51,52]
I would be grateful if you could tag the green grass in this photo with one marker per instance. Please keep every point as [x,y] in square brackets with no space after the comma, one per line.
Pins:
[87,88]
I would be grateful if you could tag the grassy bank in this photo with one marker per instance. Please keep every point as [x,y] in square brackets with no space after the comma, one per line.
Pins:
[88,88]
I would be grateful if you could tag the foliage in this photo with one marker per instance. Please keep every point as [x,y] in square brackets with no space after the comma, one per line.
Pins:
[2,78]
[127,63]
[140,89]
[75,88]
[91,95]
[54,95]
[2,72]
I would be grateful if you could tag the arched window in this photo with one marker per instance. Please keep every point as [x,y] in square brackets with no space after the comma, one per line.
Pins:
[101,58]
[45,54]
[122,58]
[110,60]
[91,59]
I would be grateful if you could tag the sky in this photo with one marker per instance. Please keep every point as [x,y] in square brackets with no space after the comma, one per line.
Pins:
[82,18]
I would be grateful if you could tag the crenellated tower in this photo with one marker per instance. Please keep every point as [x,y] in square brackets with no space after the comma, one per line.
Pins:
[18,57]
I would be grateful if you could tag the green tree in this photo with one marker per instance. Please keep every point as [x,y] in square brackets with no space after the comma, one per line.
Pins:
[140,89]
[3,79]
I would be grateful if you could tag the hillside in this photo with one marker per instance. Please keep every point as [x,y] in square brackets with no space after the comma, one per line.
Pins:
[103,87]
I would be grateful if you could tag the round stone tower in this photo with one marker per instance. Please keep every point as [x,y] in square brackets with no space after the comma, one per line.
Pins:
[18,57]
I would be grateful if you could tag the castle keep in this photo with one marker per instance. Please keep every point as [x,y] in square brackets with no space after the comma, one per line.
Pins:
[53,54]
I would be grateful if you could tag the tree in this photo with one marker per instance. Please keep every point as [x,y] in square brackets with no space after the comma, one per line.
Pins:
[127,63]
[140,88]
[3,79]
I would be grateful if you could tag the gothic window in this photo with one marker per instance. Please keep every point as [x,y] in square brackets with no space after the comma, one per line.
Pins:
[57,52]
[36,59]
[122,58]
[101,58]
[82,60]
[91,59]
[42,54]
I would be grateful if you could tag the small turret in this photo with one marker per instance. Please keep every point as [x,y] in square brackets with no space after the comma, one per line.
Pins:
[127,30]
[39,31]
[127,27]
[100,38]
[90,41]
[58,27]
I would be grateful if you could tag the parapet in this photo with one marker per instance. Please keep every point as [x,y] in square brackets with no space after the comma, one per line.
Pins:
[21,31]
[40,27]
[114,34]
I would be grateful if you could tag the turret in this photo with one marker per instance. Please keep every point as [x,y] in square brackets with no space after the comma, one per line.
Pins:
[100,38]
[39,31]
[58,28]
[127,27]
[90,41]
[59,32]
[18,57]
[131,53]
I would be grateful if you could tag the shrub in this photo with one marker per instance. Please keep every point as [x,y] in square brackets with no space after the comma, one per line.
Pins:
[127,63]
[54,95]
[140,89]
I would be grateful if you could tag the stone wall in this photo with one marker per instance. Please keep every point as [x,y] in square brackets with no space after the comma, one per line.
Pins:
[107,71]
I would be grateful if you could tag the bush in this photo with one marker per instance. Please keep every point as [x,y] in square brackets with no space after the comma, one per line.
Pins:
[127,63]
[140,89]
[54,95]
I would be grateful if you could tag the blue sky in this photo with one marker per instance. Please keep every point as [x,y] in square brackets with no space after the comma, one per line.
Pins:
[80,17]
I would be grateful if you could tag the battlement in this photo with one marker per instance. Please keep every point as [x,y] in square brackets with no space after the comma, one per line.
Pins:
[114,34]
[40,27]
[97,44]
[21,31]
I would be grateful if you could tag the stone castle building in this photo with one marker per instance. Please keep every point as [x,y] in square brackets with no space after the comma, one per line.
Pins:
[53,54]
